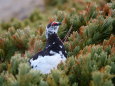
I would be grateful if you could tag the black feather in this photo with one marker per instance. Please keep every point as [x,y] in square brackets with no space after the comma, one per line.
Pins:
[54,47]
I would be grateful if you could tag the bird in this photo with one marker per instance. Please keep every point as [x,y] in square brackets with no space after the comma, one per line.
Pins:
[53,53]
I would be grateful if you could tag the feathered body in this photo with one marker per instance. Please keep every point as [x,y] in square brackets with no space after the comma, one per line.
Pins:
[51,56]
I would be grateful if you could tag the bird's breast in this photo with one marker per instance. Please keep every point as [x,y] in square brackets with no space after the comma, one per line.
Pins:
[46,63]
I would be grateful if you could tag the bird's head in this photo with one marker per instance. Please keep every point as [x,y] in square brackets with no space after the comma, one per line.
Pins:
[52,28]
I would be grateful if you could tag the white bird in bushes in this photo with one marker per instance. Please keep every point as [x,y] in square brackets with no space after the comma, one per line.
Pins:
[52,54]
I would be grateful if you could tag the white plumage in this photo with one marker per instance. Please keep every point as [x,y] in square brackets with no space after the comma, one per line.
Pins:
[47,63]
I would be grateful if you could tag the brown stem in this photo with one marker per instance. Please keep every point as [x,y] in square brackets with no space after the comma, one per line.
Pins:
[68,33]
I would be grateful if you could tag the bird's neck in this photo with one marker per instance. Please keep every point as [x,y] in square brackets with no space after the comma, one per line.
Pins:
[53,38]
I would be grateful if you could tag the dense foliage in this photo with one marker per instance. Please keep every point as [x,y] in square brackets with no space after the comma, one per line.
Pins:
[90,45]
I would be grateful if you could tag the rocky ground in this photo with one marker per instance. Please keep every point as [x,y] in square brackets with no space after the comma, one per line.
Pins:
[18,8]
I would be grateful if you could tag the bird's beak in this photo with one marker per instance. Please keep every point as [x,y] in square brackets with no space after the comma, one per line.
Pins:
[59,23]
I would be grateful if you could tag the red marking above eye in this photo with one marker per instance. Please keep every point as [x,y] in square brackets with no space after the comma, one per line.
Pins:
[54,23]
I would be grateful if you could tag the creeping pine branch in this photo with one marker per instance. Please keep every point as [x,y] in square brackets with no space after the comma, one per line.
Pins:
[68,33]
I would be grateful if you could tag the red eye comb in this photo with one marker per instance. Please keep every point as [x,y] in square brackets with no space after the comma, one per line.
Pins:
[54,23]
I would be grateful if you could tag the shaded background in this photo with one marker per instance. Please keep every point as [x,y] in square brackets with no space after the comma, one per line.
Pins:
[18,8]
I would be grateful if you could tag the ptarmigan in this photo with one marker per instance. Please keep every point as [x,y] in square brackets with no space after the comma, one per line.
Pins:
[52,54]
